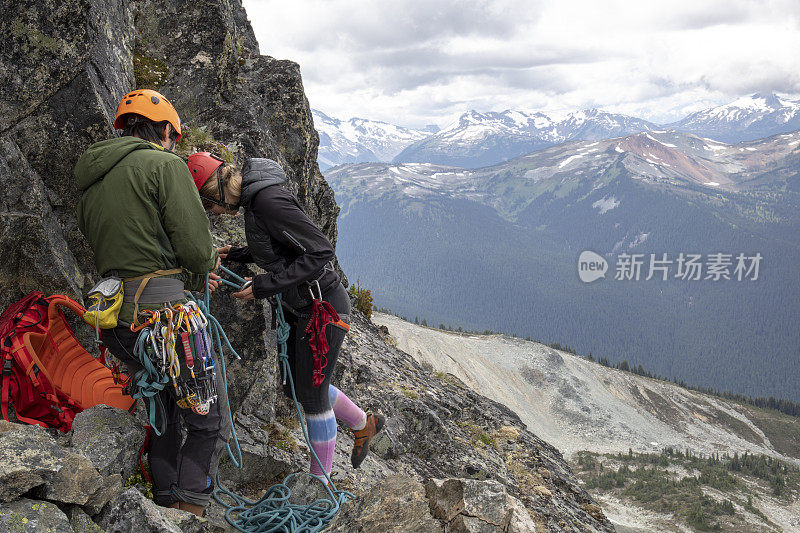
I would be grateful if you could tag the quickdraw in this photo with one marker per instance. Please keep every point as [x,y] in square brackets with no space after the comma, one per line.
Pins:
[176,343]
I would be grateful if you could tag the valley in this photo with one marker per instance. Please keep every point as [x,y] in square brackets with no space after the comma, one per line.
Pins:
[497,248]
[645,448]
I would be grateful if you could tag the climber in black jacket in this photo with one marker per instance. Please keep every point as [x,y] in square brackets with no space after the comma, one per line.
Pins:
[297,256]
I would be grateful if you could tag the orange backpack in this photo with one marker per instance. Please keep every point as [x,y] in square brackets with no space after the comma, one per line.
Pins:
[47,373]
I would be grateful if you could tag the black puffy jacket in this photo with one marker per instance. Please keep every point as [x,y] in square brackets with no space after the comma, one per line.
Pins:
[281,238]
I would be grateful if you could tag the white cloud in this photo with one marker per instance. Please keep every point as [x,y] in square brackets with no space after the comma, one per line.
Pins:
[419,62]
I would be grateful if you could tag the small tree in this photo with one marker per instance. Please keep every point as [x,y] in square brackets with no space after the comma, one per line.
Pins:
[363,299]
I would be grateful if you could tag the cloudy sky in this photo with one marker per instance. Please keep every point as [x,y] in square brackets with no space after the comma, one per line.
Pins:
[417,62]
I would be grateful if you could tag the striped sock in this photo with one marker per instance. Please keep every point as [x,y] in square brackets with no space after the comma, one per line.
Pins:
[346,410]
[322,433]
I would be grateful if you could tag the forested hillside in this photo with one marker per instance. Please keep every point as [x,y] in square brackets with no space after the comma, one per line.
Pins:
[498,249]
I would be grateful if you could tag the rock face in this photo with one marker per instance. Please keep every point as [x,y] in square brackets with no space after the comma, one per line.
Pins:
[32,516]
[63,68]
[254,104]
[111,438]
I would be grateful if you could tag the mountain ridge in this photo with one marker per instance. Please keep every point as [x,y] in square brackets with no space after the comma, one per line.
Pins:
[511,234]
[479,139]
[357,140]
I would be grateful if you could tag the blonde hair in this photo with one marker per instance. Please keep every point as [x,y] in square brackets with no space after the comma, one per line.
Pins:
[231,183]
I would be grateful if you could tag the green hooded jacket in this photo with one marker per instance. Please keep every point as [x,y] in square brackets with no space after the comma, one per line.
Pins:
[140,212]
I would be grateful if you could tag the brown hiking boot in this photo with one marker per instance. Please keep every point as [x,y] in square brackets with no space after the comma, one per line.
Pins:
[363,436]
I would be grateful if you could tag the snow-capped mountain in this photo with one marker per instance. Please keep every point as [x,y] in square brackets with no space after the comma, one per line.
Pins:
[593,124]
[482,139]
[745,119]
[497,247]
[360,140]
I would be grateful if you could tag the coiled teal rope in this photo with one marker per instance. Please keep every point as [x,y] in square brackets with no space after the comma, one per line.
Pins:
[148,383]
[273,512]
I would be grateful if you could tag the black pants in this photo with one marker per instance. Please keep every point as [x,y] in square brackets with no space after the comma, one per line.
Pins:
[315,399]
[181,470]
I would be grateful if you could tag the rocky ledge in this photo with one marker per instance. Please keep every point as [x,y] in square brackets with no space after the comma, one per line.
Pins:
[448,460]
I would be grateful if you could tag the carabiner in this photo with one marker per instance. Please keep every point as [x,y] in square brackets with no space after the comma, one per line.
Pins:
[311,290]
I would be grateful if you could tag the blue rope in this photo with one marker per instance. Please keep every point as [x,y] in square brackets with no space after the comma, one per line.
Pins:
[235,276]
[272,512]
[148,383]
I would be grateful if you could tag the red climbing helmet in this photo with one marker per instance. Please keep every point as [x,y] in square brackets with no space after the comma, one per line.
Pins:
[202,165]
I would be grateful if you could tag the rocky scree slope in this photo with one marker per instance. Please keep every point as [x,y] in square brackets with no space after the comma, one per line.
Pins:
[577,404]
[63,68]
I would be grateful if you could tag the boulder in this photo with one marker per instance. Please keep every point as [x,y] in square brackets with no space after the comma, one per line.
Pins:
[81,522]
[33,516]
[262,461]
[187,522]
[131,512]
[111,487]
[446,498]
[111,438]
[28,458]
[31,460]
[76,481]
[396,504]
[469,505]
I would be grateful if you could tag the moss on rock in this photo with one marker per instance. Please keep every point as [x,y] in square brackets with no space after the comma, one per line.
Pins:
[199,139]
[149,72]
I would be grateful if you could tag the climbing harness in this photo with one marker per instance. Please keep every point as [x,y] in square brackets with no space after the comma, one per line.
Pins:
[143,281]
[322,314]
[273,512]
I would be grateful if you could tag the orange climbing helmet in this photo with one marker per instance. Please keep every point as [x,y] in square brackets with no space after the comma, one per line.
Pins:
[150,104]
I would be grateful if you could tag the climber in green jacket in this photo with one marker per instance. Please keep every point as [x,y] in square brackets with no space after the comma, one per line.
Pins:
[140,213]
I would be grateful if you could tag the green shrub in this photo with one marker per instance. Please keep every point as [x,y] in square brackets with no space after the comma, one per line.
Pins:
[138,479]
[199,139]
[363,299]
